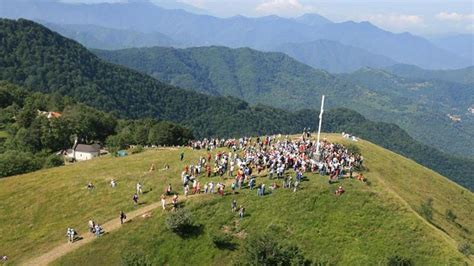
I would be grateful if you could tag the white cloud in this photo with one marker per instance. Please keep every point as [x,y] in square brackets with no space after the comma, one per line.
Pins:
[284,7]
[196,3]
[395,22]
[456,17]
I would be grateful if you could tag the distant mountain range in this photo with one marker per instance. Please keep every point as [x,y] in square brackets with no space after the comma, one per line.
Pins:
[420,106]
[460,44]
[334,56]
[99,37]
[264,33]
[464,75]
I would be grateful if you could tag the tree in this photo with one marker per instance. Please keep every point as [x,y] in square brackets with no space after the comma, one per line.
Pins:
[53,161]
[179,221]
[16,162]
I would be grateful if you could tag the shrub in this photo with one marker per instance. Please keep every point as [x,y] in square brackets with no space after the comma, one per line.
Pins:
[220,239]
[450,216]
[179,221]
[464,248]
[398,261]
[426,209]
[136,149]
[135,259]
[53,161]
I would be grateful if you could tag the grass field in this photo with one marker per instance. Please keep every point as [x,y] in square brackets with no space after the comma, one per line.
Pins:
[366,225]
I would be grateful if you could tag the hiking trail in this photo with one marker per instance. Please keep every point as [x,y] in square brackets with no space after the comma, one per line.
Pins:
[87,237]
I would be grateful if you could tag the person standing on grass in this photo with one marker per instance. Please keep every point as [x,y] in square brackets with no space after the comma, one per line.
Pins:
[169,189]
[181,156]
[135,198]
[232,186]
[234,205]
[69,235]
[122,217]
[241,212]
[139,188]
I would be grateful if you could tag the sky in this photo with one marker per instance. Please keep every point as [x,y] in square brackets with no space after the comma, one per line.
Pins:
[424,17]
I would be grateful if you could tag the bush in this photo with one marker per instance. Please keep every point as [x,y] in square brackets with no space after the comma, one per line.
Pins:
[264,249]
[426,210]
[135,259]
[179,221]
[53,161]
[450,216]
[221,240]
[137,149]
[464,248]
[398,261]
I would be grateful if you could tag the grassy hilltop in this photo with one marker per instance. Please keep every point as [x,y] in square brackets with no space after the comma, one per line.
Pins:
[366,225]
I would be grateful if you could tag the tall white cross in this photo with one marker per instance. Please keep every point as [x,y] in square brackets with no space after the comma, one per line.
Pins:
[319,129]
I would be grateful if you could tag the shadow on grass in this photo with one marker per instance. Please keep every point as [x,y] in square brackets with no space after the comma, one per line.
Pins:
[226,246]
[191,231]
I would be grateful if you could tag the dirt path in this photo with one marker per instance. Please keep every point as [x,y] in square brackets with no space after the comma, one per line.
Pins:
[65,248]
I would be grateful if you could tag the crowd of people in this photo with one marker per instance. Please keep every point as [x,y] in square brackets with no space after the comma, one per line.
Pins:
[284,161]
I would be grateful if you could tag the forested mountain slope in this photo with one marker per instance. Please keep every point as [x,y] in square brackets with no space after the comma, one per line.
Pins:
[421,107]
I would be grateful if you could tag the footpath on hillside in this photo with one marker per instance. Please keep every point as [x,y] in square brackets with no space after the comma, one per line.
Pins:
[66,248]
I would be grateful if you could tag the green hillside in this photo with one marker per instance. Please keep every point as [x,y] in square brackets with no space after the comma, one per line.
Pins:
[354,228]
[248,74]
[426,118]
[462,75]
[420,107]
[41,60]
[334,56]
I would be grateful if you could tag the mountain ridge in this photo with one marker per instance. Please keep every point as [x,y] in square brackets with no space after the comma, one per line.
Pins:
[258,33]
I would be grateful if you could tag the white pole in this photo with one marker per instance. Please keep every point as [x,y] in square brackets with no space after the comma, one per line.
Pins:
[320,122]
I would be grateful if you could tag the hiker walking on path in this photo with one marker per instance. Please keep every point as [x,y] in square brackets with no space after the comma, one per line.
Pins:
[98,230]
[163,201]
[70,235]
[122,217]
[91,226]
[175,202]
